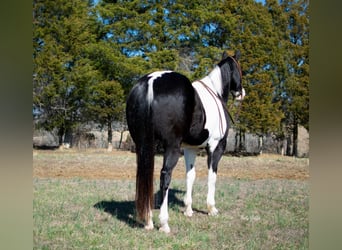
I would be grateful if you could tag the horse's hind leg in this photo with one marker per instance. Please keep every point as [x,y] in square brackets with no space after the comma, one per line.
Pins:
[171,157]
[149,222]
[189,156]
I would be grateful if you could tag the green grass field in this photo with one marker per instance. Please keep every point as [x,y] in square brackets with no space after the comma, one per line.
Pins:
[80,213]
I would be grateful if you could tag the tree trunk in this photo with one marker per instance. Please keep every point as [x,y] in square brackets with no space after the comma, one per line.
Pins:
[261,144]
[242,147]
[283,146]
[110,137]
[64,137]
[61,132]
[121,136]
[295,139]
[288,145]
[68,140]
[236,145]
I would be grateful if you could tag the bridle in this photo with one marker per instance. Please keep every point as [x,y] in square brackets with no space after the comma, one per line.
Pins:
[238,66]
[231,105]
[216,97]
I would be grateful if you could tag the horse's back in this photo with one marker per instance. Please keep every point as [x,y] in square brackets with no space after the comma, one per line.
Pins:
[172,106]
[176,110]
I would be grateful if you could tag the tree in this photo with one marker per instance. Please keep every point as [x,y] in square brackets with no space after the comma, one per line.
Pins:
[189,37]
[80,46]
[293,86]
[62,31]
[106,104]
[255,35]
[260,114]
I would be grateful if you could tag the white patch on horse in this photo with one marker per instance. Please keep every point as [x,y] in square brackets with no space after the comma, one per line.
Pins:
[211,192]
[164,215]
[216,122]
[153,76]
[216,80]
[242,96]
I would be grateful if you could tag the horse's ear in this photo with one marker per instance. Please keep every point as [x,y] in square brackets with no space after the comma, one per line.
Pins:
[237,55]
[224,55]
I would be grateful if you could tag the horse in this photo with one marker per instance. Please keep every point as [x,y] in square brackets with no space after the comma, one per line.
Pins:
[166,106]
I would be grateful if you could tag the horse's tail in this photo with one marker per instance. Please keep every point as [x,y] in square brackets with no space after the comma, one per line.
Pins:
[139,120]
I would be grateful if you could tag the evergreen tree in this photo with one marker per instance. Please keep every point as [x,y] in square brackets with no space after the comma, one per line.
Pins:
[106,104]
[292,18]
[257,38]
[62,72]
[261,114]
[80,49]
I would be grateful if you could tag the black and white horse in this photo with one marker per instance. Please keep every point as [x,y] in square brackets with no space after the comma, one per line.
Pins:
[165,105]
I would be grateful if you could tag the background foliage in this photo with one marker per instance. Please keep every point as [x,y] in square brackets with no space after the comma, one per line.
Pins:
[83,47]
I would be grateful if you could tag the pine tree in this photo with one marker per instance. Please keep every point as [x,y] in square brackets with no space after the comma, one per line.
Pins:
[106,104]
[62,71]
[78,47]
[256,36]
[293,74]
[260,114]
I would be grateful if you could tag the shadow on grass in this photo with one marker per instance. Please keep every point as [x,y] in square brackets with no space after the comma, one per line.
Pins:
[45,147]
[125,210]
[199,211]
[122,210]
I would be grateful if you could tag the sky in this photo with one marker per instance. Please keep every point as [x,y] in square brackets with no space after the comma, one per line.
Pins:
[260,1]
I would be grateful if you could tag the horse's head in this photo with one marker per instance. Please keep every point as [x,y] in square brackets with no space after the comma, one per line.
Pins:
[231,76]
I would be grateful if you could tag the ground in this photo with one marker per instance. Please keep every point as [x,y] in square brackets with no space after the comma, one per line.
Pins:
[85,200]
[100,164]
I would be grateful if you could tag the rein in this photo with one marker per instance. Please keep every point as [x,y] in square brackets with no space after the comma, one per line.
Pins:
[240,71]
[215,97]
[237,114]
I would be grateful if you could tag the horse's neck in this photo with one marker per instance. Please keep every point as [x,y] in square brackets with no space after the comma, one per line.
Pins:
[214,81]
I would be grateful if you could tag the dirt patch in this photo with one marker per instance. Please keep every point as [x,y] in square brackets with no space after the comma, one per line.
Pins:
[100,164]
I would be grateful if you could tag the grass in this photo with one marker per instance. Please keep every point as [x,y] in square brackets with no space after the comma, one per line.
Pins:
[80,213]
[97,164]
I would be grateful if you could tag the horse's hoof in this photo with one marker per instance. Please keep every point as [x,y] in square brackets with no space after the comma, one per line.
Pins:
[165,228]
[213,211]
[149,226]
[188,213]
